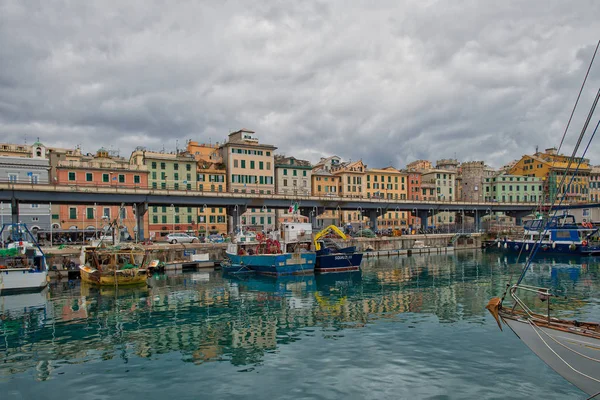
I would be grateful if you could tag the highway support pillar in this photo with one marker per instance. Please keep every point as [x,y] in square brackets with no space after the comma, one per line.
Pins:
[140,210]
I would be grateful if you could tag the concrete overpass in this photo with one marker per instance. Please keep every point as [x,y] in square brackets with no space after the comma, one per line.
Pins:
[237,203]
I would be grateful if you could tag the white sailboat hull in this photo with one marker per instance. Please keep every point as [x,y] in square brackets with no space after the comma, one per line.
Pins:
[22,280]
[575,357]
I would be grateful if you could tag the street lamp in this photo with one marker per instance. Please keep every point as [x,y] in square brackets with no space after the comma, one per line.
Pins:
[173,208]
[95,221]
[447,215]
[205,223]
[263,210]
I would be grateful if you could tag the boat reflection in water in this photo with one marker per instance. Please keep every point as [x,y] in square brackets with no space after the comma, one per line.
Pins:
[389,311]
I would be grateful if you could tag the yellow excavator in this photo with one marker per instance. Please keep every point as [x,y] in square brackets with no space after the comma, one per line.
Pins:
[326,231]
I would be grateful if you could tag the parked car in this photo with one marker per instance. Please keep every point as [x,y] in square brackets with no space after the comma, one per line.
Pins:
[216,239]
[181,238]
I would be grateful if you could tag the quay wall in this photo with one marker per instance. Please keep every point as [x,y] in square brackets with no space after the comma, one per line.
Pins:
[63,262]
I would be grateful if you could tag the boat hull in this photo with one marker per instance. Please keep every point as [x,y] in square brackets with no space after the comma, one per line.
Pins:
[574,357]
[338,262]
[21,280]
[133,276]
[517,246]
[277,264]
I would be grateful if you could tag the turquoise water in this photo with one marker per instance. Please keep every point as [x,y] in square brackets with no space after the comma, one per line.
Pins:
[411,327]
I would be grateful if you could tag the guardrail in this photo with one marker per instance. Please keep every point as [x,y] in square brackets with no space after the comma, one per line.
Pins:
[139,190]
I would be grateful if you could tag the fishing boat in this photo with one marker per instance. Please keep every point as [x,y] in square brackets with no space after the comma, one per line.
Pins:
[569,347]
[331,257]
[283,252]
[23,266]
[556,235]
[119,265]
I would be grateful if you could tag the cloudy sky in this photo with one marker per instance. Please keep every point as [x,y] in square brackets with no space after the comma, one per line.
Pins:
[385,81]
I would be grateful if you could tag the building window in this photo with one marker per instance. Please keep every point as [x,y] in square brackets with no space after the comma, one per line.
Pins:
[251,164]
[89,177]
[12,178]
[121,178]
[243,163]
[153,164]
[136,179]
[176,167]
[155,219]
[188,167]
[106,179]
[106,212]
[163,165]
[164,219]
[90,213]
[72,213]
[71,176]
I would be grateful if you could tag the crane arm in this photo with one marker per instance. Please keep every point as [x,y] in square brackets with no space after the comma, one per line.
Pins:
[330,228]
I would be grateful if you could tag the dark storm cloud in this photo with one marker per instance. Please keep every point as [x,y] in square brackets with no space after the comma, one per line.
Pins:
[385,82]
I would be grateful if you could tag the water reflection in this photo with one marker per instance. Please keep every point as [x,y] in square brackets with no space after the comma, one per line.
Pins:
[206,317]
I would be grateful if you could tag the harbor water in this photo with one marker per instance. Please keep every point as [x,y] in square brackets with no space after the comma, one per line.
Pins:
[403,327]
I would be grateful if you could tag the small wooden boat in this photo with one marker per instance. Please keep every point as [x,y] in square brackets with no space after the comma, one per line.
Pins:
[120,265]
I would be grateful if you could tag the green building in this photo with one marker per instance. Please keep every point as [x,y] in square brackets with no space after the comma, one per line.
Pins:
[513,189]
[169,171]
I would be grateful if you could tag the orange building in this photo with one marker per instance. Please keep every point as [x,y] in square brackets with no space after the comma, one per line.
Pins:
[102,169]
[211,177]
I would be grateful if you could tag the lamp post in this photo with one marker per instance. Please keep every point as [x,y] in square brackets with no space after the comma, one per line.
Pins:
[415,213]
[205,223]
[264,210]
[173,225]
[95,221]
[447,215]
[50,215]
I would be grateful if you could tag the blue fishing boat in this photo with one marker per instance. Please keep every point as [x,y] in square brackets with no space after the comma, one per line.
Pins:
[556,235]
[331,257]
[283,252]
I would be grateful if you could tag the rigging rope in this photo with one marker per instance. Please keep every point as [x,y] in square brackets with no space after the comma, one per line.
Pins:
[541,200]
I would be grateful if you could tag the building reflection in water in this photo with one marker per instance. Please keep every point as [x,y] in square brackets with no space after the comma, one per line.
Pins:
[206,317]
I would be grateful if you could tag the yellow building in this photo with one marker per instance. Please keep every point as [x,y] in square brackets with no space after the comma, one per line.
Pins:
[352,178]
[324,183]
[388,183]
[250,168]
[250,165]
[552,167]
[211,177]
[595,184]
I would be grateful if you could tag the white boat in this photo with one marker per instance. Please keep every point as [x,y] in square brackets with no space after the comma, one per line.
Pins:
[23,266]
[571,348]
